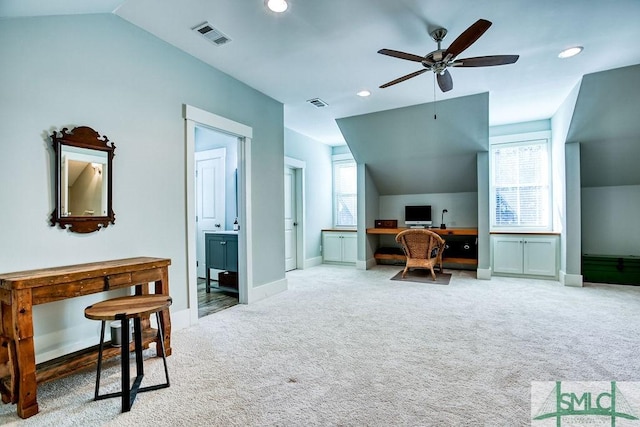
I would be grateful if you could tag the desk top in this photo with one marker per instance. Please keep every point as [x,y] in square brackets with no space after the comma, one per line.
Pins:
[55,275]
[440,231]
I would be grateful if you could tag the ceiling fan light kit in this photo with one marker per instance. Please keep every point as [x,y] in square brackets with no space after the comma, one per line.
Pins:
[440,59]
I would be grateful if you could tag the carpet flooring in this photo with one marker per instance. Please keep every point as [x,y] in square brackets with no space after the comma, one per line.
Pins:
[346,347]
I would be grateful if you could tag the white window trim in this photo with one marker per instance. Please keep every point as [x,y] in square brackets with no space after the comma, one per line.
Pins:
[520,139]
[339,158]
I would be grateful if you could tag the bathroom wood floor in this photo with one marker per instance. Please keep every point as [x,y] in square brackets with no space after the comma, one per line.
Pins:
[216,300]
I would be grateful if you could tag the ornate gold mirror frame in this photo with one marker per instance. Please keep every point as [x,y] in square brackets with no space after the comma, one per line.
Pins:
[83,183]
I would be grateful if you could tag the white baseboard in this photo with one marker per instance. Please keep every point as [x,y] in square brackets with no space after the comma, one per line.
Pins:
[261,292]
[312,262]
[370,263]
[574,280]
[180,319]
[483,273]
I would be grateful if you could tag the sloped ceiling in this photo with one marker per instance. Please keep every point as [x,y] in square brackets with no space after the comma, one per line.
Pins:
[407,151]
[606,123]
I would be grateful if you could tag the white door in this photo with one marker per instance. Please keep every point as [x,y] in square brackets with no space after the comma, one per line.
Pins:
[290,224]
[210,198]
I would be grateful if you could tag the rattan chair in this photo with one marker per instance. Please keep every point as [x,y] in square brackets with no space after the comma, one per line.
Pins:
[423,249]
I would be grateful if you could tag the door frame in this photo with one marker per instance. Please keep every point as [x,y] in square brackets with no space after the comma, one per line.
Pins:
[299,167]
[193,117]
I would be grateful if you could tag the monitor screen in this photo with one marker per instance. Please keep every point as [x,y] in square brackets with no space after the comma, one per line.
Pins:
[417,215]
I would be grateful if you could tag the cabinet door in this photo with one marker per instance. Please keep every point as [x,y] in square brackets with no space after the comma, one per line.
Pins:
[332,247]
[216,252]
[349,247]
[540,256]
[507,255]
[231,255]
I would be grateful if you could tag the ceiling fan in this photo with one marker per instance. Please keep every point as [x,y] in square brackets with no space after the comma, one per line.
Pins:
[439,60]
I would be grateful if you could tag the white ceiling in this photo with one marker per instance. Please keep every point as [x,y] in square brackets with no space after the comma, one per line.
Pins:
[328,49]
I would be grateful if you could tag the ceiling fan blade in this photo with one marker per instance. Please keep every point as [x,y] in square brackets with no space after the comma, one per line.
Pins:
[445,81]
[403,78]
[468,37]
[486,61]
[401,55]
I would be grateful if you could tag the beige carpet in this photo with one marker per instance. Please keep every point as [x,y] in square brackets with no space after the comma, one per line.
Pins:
[345,347]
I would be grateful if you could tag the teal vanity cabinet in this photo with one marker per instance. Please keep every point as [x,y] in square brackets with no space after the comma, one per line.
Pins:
[221,253]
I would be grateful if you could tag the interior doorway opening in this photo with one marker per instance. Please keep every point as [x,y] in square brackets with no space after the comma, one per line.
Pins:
[216,162]
[242,134]
[294,171]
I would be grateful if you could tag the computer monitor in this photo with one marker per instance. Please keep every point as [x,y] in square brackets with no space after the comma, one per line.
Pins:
[417,216]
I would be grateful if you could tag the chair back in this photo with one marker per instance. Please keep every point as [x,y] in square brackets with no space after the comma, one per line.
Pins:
[420,243]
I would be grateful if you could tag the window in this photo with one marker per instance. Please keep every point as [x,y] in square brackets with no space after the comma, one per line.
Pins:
[345,200]
[520,183]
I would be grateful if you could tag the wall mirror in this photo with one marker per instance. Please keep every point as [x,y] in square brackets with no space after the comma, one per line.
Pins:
[83,183]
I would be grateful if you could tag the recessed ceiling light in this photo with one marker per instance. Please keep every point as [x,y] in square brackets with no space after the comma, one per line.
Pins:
[277,6]
[363,93]
[572,51]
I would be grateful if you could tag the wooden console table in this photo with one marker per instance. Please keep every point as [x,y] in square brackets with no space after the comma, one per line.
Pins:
[442,232]
[20,291]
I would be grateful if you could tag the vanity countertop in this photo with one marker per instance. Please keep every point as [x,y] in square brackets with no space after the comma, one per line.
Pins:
[222,232]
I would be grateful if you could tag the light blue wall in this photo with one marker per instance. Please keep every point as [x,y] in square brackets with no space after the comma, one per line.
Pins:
[462,208]
[614,210]
[484,220]
[318,187]
[340,149]
[408,152]
[102,72]
[566,197]
[604,139]
[366,219]
[523,127]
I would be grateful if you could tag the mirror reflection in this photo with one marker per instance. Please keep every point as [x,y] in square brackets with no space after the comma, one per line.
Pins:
[84,182]
[83,177]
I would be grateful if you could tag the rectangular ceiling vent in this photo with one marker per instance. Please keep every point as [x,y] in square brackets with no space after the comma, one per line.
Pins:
[317,102]
[213,35]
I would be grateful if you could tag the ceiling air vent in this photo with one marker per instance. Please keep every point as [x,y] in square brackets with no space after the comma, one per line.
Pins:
[317,102]
[213,35]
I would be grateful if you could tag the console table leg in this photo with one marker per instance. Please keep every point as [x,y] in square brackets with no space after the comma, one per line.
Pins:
[21,308]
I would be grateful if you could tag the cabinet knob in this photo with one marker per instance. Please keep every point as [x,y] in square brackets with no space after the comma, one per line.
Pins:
[223,243]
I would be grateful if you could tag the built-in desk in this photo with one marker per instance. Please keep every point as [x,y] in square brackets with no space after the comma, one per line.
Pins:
[454,234]
[20,291]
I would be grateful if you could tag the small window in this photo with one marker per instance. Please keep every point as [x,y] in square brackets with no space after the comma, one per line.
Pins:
[345,197]
[520,184]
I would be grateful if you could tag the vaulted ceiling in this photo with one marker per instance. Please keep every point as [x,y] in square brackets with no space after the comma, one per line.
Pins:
[328,49]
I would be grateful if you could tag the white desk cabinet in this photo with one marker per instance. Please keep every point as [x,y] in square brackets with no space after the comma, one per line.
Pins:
[339,247]
[527,255]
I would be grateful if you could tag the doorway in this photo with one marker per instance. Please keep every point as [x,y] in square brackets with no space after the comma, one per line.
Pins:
[294,213]
[239,136]
[216,208]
